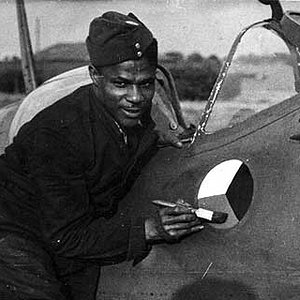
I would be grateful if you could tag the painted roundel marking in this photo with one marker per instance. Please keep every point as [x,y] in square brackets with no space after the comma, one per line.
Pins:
[228,187]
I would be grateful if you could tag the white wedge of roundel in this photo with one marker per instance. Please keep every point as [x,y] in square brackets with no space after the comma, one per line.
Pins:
[228,187]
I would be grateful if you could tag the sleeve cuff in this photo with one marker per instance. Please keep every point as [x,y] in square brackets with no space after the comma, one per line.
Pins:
[138,248]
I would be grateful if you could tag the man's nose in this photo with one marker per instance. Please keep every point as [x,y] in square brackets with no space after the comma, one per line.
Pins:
[134,94]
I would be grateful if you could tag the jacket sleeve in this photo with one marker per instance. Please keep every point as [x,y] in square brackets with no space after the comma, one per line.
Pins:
[67,220]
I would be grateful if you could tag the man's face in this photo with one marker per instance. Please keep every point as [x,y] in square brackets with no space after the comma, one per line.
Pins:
[127,89]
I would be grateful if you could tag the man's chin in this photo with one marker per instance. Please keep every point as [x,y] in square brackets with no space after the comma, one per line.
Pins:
[129,123]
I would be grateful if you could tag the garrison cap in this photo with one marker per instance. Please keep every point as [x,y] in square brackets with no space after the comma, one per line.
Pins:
[114,38]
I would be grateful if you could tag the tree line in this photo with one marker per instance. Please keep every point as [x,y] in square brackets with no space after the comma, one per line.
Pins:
[194,74]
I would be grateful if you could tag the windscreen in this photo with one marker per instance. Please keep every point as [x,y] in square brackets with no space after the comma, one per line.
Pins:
[260,76]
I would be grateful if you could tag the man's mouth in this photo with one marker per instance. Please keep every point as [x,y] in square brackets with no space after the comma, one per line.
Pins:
[133,112]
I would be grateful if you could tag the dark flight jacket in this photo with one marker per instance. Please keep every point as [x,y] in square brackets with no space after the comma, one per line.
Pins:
[64,178]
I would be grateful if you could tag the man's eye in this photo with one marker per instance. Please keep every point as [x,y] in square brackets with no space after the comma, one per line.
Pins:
[120,84]
[147,84]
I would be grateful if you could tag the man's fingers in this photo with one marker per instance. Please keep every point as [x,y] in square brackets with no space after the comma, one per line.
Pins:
[197,228]
[179,221]
[169,139]
[178,144]
[183,225]
[177,234]
[183,218]
[175,211]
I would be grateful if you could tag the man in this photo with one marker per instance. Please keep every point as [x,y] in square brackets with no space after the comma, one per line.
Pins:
[63,178]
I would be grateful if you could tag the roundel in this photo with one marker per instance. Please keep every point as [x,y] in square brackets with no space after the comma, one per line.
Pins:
[228,187]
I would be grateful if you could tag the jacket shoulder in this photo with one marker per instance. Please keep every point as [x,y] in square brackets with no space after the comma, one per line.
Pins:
[67,110]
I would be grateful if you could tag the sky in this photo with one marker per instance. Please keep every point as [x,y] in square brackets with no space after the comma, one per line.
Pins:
[204,26]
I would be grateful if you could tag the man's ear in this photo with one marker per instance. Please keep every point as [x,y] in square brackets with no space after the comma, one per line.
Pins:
[94,74]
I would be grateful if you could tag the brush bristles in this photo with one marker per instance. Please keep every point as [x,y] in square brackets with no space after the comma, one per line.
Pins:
[219,217]
[210,215]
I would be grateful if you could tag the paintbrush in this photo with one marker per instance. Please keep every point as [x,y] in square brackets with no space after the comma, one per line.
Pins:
[202,213]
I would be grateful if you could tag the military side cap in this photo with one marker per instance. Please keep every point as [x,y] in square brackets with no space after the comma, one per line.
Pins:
[114,38]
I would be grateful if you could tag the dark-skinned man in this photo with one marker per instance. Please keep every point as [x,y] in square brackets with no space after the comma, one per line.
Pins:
[63,178]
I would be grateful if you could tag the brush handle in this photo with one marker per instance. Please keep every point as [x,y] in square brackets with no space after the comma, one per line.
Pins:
[173,204]
[164,203]
[200,212]
[206,214]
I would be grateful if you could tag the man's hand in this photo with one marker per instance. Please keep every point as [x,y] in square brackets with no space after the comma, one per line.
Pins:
[173,224]
[169,139]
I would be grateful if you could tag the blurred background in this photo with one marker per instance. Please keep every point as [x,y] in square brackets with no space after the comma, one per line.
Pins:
[194,37]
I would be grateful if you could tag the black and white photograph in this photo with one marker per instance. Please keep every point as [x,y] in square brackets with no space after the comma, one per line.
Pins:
[150,150]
